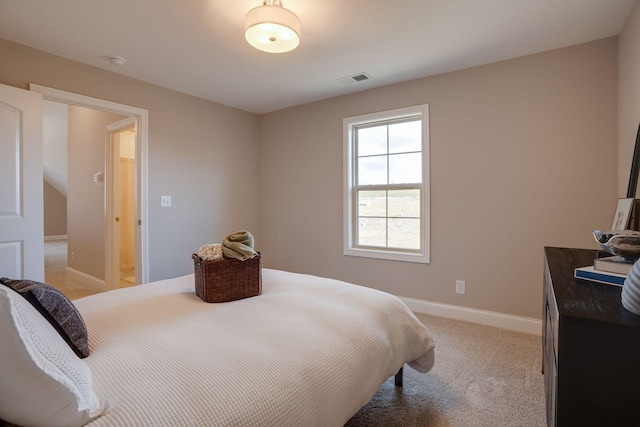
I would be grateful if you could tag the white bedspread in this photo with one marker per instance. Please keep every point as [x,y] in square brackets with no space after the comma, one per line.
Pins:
[309,351]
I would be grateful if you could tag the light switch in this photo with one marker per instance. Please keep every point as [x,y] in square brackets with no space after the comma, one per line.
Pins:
[165,201]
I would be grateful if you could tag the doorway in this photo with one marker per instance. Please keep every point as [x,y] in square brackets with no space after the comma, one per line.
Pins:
[121,206]
[139,118]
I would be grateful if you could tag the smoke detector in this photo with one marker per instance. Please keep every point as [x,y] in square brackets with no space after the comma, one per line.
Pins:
[117,61]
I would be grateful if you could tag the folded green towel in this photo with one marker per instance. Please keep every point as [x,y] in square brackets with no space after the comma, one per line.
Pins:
[239,245]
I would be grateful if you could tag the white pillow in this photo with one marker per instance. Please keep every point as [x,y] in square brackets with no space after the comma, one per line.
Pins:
[42,381]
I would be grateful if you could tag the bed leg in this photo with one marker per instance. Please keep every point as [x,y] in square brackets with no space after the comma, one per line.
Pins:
[398,378]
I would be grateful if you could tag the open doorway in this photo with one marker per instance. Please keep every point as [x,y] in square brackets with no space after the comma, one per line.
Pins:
[121,206]
[75,168]
[106,277]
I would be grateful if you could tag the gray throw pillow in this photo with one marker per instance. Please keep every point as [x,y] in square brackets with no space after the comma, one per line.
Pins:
[57,309]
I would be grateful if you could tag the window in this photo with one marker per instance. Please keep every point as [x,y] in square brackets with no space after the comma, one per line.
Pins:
[386,189]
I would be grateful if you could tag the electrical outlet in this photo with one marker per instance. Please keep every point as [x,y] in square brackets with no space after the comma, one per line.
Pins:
[165,201]
[73,256]
[460,287]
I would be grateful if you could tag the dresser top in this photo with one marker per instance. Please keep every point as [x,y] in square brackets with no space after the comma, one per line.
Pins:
[582,300]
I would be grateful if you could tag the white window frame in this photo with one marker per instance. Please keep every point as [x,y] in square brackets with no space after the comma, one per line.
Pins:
[349,158]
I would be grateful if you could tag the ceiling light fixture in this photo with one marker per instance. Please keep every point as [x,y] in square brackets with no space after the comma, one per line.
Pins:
[272,28]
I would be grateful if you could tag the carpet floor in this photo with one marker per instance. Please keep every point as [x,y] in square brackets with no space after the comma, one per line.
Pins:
[483,376]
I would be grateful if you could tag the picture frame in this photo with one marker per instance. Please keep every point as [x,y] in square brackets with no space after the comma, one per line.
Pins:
[635,167]
[622,215]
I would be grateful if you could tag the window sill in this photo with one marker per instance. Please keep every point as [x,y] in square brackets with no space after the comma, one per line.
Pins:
[422,258]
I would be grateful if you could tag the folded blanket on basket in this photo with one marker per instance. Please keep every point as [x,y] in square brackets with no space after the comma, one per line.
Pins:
[239,245]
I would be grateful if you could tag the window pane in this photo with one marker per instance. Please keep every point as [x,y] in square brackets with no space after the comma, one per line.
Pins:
[404,233]
[405,137]
[372,203]
[372,141]
[404,203]
[372,232]
[405,168]
[372,170]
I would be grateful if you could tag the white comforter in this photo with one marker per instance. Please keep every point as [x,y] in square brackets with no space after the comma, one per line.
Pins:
[309,351]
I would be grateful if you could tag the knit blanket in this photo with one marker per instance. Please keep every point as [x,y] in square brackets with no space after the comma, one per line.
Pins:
[309,352]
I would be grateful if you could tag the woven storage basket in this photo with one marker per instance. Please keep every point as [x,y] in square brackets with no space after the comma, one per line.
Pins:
[227,279]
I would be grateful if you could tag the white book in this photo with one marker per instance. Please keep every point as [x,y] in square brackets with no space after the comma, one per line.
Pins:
[613,264]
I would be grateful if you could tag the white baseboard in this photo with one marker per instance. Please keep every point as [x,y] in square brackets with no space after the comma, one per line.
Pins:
[86,279]
[490,318]
[51,238]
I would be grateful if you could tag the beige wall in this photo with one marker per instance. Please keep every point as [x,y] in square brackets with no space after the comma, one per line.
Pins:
[55,211]
[86,198]
[523,155]
[629,96]
[202,153]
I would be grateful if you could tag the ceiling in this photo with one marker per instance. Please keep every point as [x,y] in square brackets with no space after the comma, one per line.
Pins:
[197,46]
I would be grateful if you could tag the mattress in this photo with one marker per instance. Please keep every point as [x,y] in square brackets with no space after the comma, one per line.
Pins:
[309,351]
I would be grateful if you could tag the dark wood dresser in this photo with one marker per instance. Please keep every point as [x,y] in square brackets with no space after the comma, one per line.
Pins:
[591,347]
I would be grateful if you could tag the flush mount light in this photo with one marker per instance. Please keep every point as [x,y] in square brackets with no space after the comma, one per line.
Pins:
[272,28]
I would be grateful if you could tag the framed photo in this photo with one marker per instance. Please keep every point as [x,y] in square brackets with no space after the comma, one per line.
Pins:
[622,215]
[635,168]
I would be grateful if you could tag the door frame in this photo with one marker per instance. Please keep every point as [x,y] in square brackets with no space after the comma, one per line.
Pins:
[141,118]
[112,248]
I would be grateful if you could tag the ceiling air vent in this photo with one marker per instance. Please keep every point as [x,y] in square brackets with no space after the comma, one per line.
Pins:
[360,77]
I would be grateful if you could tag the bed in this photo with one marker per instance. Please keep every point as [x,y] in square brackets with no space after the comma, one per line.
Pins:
[308,351]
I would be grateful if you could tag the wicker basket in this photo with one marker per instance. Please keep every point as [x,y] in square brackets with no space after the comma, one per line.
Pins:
[227,279]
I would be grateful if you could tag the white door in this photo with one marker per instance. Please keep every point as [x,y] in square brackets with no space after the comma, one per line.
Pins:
[21,212]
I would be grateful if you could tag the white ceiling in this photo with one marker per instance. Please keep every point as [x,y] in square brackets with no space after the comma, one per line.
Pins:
[198,47]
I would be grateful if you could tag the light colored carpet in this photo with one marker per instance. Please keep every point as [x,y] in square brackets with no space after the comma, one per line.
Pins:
[483,376]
